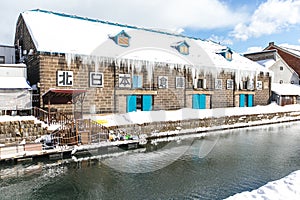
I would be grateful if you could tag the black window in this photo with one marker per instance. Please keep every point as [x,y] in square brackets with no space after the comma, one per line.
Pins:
[2,60]
[201,83]
[139,102]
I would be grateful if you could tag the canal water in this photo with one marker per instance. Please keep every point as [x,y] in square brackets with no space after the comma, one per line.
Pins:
[194,167]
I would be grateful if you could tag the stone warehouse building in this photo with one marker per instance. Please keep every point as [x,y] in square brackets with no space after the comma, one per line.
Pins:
[124,68]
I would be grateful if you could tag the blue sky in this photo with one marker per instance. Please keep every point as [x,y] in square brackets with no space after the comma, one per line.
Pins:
[240,24]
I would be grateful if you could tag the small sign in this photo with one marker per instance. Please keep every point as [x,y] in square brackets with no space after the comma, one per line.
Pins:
[229,84]
[266,85]
[64,78]
[96,79]
[124,81]
[259,85]
[218,84]
[179,82]
[162,82]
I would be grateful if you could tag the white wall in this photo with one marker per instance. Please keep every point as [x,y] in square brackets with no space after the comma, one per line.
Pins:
[13,70]
[287,75]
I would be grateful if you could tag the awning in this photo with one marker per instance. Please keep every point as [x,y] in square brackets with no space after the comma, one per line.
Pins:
[62,96]
[13,83]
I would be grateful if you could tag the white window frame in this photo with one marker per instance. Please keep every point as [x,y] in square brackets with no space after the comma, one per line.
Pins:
[218,84]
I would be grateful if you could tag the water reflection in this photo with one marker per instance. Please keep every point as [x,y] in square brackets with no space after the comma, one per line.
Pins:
[211,167]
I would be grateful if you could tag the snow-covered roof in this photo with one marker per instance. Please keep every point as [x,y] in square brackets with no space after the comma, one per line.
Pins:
[13,76]
[13,83]
[238,61]
[295,49]
[13,70]
[69,34]
[266,63]
[285,89]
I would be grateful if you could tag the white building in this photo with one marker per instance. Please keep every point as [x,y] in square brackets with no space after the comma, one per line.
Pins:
[7,54]
[15,93]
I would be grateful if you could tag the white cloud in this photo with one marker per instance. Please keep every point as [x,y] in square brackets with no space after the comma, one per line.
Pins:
[270,17]
[254,49]
[220,39]
[168,14]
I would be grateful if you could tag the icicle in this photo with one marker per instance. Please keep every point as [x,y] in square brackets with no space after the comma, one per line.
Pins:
[68,57]
[237,78]
[97,62]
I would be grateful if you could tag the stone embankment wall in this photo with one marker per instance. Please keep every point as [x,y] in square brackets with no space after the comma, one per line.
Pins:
[13,132]
[171,128]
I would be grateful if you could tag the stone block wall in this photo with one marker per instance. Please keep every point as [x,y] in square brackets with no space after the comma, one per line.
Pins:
[169,98]
[100,98]
[262,97]
[224,97]
[13,132]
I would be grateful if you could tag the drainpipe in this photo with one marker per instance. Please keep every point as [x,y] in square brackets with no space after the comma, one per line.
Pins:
[115,103]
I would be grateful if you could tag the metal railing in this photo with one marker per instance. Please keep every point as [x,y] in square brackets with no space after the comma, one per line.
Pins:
[72,131]
[90,131]
[53,117]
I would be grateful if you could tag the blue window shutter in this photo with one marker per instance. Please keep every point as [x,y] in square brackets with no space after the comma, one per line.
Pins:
[196,101]
[147,102]
[131,103]
[137,82]
[202,101]
[250,100]
[242,100]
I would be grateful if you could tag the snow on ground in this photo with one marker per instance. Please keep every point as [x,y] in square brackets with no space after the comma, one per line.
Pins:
[282,189]
[8,118]
[141,117]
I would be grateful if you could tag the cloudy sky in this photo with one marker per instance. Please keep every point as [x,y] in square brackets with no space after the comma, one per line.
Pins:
[239,24]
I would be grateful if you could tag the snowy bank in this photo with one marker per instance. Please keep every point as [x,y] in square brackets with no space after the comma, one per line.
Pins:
[141,117]
[282,189]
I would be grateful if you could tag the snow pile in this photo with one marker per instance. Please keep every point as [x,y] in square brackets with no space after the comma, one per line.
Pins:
[7,118]
[286,89]
[141,117]
[285,188]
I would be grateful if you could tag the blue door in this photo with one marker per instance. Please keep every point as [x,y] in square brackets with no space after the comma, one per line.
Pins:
[199,101]
[250,100]
[146,102]
[242,100]
[202,101]
[195,101]
[131,103]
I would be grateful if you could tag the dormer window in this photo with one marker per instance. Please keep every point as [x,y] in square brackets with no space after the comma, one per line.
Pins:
[122,39]
[182,47]
[226,53]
